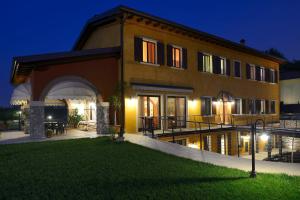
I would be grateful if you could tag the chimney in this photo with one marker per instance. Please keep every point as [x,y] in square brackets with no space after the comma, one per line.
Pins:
[243,41]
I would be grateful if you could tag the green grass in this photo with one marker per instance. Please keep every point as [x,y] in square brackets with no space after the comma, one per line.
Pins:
[102,169]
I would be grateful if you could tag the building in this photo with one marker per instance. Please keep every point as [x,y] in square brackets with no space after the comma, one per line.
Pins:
[289,90]
[172,72]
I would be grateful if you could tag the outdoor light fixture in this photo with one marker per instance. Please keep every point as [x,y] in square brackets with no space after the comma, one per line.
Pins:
[49,117]
[264,137]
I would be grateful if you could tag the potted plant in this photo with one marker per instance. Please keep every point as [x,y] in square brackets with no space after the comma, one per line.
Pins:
[74,119]
[115,102]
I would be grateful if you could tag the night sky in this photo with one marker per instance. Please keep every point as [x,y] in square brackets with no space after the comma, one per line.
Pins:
[42,26]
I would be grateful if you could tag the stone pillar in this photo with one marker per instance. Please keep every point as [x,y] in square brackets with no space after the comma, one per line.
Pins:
[36,119]
[103,118]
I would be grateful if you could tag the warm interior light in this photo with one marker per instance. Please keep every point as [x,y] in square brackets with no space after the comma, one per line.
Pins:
[131,101]
[246,137]
[193,145]
[264,137]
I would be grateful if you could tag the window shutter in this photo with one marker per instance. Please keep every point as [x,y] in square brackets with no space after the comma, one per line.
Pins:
[267,107]
[216,65]
[257,73]
[237,69]
[200,61]
[160,53]
[228,67]
[138,49]
[248,69]
[257,106]
[169,55]
[267,75]
[276,76]
[184,58]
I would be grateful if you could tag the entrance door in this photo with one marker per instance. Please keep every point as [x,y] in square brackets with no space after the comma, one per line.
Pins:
[149,111]
[225,112]
[176,110]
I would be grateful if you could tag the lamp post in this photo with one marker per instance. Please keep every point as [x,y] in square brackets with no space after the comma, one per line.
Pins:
[19,115]
[253,138]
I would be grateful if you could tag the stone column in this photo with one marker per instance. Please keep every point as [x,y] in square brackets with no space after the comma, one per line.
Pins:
[103,118]
[36,119]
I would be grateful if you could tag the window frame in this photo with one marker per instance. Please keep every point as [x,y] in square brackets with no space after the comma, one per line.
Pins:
[271,102]
[262,74]
[180,56]
[148,40]
[223,72]
[210,63]
[241,106]
[272,76]
[252,67]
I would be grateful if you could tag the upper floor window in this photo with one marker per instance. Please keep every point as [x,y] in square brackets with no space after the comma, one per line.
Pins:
[272,76]
[207,63]
[262,74]
[237,69]
[223,65]
[149,51]
[177,57]
[272,110]
[252,72]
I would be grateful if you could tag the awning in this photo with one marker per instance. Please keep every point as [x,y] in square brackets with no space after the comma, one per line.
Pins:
[71,90]
[21,94]
[165,88]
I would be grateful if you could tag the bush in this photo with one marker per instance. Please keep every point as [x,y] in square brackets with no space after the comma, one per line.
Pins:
[74,119]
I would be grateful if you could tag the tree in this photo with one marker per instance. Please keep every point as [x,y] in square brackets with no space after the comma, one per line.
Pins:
[275,52]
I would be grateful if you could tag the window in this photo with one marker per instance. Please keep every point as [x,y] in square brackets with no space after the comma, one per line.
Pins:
[272,76]
[206,106]
[238,106]
[148,109]
[273,103]
[149,51]
[177,57]
[223,66]
[252,72]
[207,63]
[176,110]
[262,107]
[251,106]
[262,74]
[237,69]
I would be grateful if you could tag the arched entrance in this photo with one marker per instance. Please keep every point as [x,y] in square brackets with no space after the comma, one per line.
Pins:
[67,102]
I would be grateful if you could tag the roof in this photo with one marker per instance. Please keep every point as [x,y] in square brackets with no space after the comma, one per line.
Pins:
[119,11]
[23,65]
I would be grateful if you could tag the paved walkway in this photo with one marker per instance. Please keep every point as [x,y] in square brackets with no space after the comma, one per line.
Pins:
[14,137]
[214,158]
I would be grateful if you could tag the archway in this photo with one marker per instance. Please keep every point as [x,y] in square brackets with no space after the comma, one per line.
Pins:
[71,101]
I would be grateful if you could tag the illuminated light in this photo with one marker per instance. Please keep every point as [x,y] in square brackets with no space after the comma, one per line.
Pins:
[49,117]
[131,101]
[192,145]
[192,103]
[246,137]
[264,137]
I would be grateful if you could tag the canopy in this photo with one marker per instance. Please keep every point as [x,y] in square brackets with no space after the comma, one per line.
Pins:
[71,90]
[21,94]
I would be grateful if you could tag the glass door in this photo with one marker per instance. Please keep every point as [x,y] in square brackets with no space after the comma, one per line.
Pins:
[176,111]
[148,112]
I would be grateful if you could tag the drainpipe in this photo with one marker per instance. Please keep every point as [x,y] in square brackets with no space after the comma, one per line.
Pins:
[122,78]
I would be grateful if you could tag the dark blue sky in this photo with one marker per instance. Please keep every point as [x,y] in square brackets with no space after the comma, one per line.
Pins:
[43,26]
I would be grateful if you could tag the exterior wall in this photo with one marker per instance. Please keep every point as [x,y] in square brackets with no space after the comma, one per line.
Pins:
[103,37]
[101,73]
[290,91]
[204,84]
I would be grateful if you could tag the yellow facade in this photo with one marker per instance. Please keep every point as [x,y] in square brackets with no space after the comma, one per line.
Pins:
[204,84]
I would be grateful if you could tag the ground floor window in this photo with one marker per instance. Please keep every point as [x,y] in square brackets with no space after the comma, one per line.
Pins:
[206,106]
[176,110]
[237,108]
[148,111]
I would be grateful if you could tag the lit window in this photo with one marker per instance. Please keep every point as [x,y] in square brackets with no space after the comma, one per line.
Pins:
[262,106]
[207,63]
[252,72]
[223,65]
[177,57]
[262,74]
[149,51]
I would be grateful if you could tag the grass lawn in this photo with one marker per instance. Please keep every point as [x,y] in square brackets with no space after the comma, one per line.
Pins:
[101,169]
